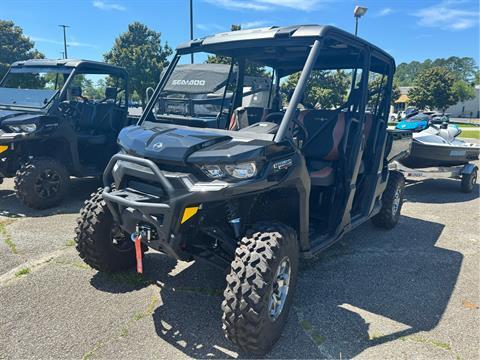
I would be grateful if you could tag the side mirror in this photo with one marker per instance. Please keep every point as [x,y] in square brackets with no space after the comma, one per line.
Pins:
[111,93]
[76,91]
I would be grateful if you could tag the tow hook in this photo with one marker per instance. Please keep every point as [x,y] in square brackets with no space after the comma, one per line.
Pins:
[141,232]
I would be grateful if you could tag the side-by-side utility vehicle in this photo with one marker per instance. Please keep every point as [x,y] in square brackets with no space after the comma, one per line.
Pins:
[265,184]
[59,118]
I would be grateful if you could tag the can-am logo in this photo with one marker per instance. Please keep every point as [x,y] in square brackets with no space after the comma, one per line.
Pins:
[189,82]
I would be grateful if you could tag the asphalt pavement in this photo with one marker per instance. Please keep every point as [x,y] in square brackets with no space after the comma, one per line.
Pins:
[412,292]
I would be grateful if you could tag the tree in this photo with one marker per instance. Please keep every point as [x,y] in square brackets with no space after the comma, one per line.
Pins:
[463,68]
[463,91]
[14,46]
[374,87]
[140,52]
[250,69]
[325,89]
[434,89]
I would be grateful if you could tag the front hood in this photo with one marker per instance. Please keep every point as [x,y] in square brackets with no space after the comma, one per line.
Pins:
[17,117]
[169,145]
[186,145]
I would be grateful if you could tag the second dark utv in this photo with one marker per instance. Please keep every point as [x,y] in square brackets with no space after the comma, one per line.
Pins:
[59,118]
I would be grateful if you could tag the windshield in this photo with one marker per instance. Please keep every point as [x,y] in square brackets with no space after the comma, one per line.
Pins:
[419,117]
[205,91]
[32,87]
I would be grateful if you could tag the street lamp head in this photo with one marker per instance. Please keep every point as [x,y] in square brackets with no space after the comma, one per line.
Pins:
[359,11]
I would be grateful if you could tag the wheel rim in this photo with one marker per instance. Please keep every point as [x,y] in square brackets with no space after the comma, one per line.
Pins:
[120,241]
[47,184]
[280,287]
[396,202]
[473,180]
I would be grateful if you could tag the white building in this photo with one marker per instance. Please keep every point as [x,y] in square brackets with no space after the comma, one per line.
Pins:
[467,109]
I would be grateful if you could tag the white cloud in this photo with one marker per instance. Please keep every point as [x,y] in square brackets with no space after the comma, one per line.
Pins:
[57,42]
[264,5]
[104,5]
[210,27]
[445,16]
[385,12]
[253,24]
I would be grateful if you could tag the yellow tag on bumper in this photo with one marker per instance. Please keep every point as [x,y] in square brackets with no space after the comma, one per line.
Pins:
[3,148]
[188,213]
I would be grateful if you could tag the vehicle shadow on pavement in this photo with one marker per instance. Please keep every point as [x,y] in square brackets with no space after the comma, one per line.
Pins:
[371,288]
[378,286]
[439,191]
[79,191]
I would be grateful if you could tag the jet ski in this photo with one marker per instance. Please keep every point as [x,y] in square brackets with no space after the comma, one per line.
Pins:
[438,146]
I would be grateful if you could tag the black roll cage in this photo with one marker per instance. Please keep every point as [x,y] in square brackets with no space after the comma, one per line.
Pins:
[82,67]
[366,51]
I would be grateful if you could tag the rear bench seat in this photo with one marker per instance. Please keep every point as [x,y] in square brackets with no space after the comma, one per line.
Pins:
[323,152]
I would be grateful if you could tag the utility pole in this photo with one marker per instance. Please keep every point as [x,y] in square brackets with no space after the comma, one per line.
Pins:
[64,40]
[63,54]
[191,28]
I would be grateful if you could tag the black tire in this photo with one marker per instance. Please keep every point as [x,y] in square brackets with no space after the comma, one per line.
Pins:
[246,316]
[95,235]
[469,181]
[41,183]
[392,201]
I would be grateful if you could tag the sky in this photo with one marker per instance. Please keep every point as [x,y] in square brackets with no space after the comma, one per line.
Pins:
[407,29]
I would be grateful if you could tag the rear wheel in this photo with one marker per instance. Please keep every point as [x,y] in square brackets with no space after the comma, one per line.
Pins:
[469,181]
[41,183]
[392,201]
[260,287]
[100,241]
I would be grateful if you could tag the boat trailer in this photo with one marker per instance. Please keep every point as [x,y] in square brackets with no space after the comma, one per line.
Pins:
[467,174]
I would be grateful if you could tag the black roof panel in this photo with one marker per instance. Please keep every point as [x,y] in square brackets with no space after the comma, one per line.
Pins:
[87,65]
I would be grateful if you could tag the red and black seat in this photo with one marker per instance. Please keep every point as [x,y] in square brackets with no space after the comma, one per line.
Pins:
[322,151]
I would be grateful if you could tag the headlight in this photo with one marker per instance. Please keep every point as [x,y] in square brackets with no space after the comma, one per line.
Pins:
[213,171]
[242,171]
[27,128]
[238,171]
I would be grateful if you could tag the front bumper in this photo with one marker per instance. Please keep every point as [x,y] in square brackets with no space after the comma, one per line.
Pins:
[162,207]
[8,161]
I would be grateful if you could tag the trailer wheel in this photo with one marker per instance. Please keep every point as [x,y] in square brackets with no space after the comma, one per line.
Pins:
[41,183]
[260,287]
[100,242]
[392,201]
[468,181]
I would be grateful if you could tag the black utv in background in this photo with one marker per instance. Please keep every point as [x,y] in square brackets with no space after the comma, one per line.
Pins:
[59,118]
[266,185]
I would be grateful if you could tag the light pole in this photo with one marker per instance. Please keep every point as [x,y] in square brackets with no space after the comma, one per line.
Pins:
[64,39]
[358,13]
[191,27]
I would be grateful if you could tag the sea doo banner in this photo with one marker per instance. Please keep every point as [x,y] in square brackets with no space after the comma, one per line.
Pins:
[198,78]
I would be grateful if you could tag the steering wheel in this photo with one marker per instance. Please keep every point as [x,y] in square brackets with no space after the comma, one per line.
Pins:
[66,108]
[296,128]
[298,131]
[277,117]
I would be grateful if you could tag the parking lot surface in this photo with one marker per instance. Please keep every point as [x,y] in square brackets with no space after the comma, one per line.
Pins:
[412,292]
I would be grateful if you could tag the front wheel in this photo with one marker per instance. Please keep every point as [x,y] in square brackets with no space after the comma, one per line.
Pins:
[260,287]
[469,181]
[41,183]
[100,241]
[392,201]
